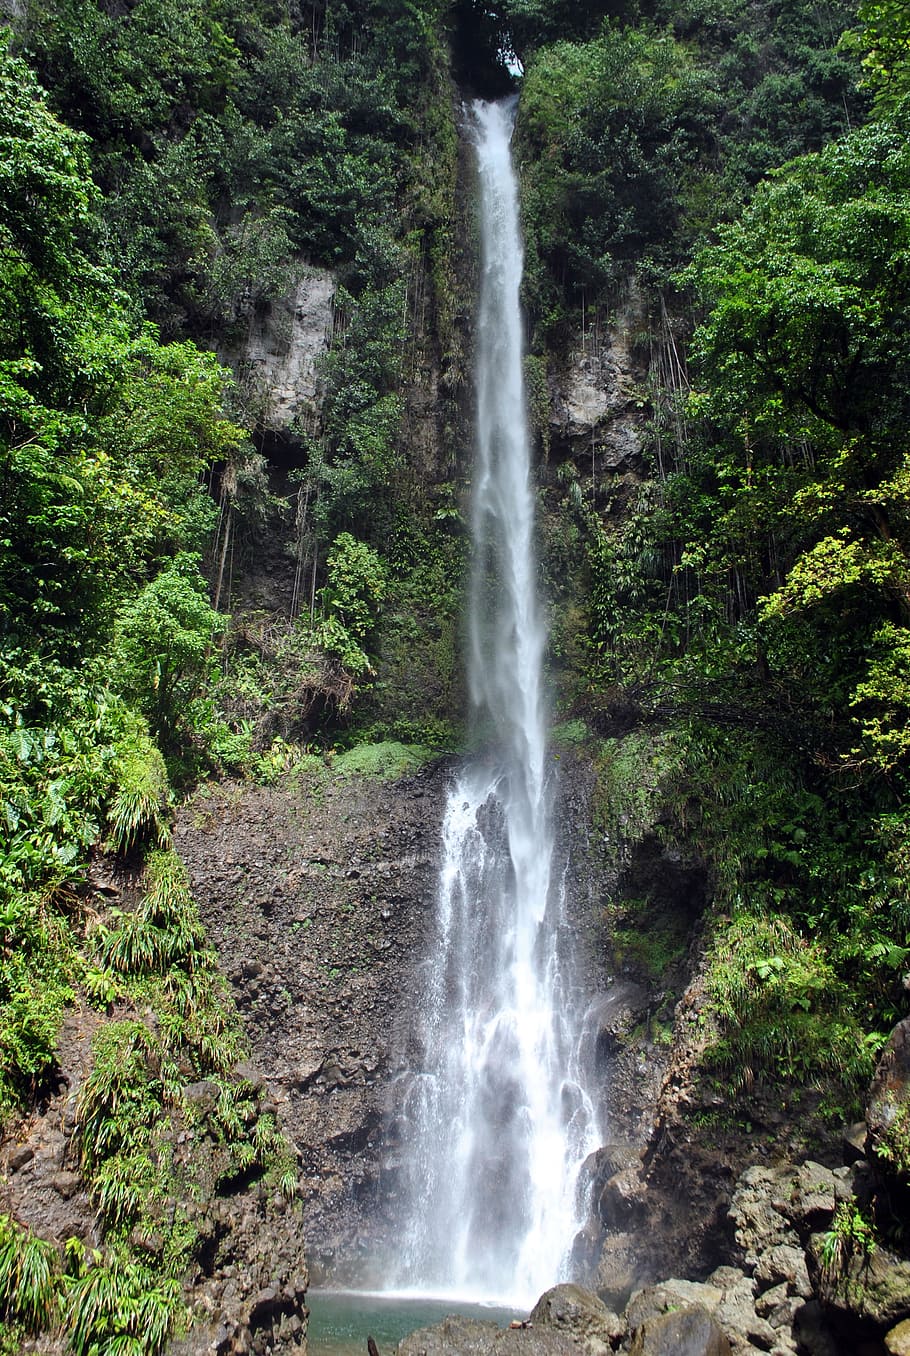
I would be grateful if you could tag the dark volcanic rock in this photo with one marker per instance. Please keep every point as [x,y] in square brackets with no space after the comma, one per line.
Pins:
[252,1296]
[456,1336]
[318,895]
[685,1332]
[874,1287]
[580,1313]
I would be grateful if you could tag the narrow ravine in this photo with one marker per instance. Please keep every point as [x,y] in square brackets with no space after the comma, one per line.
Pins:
[497,1117]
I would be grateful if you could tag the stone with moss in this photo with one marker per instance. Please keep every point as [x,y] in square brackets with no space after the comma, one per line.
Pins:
[873,1285]
[888,1111]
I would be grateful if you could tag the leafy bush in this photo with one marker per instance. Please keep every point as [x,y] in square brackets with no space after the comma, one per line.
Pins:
[118,1307]
[29,1276]
[137,810]
[162,648]
[851,1235]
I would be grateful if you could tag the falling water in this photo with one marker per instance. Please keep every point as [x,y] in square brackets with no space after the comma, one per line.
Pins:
[498,1119]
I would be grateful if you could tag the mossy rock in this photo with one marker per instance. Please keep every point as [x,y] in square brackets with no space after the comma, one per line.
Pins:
[888,1111]
[875,1287]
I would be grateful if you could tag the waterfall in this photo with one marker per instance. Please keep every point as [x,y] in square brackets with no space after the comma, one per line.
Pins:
[497,1121]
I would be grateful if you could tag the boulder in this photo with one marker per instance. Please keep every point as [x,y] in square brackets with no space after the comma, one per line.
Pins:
[622,1199]
[668,1296]
[456,1336]
[757,1211]
[580,1313]
[853,1142]
[622,1268]
[771,1302]
[897,1340]
[874,1286]
[684,1332]
[736,1315]
[784,1264]
[813,1196]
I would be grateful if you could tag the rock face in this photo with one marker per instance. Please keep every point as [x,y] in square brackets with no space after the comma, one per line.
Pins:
[596,409]
[252,1298]
[278,364]
[40,1186]
[873,1286]
[318,896]
[686,1332]
[248,1290]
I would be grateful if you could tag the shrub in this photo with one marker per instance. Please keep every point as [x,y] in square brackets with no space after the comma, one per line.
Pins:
[29,1269]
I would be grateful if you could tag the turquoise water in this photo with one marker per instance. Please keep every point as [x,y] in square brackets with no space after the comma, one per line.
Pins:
[342,1320]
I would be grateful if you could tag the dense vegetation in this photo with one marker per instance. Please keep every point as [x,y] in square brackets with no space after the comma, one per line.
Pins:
[751,596]
[166,175]
[177,171]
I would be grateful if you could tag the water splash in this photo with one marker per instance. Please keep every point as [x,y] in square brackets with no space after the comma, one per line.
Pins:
[498,1119]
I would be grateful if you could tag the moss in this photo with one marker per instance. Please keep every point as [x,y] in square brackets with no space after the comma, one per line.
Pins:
[570,732]
[635,774]
[654,950]
[388,760]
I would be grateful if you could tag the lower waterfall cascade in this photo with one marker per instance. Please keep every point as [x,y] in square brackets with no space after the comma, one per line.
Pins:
[498,1119]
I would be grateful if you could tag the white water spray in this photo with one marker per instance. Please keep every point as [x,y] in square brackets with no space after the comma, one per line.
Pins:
[498,1121]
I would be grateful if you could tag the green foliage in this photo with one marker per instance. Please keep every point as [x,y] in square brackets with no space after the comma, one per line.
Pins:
[162,644]
[893,1143]
[806,293]
[851,1235]
[634,778]
[45,190]
[29,1269]
[782,1008]
[609,130]
[104,432]
[59,783]
[117,1306]
[138,807]
[631,624]
[795,478]
[882,700]
[883,38]
[388,760]
[119,1117]
[280,687]
[329,135]
[638,139]
[355,589]
[570,732]
[649,941]
[135,1106]
[106,1306]
[223,144]
[417,658]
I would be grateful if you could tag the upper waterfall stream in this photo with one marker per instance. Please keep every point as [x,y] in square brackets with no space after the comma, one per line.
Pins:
[497,1118]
